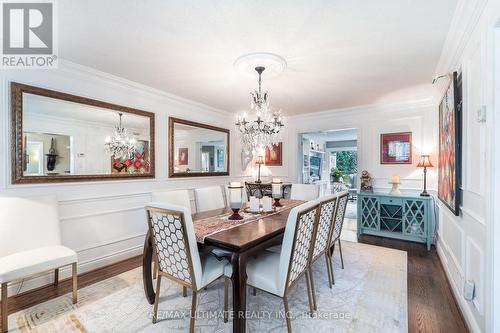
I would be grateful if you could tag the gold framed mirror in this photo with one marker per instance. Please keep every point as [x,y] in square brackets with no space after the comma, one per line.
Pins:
[58,137]
[197,150]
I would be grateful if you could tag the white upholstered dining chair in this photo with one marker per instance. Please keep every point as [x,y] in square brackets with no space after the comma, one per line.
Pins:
[176,197]
[337,227]
[277,273]
[304,192]
[327,208]
[209,198]
[176,251]
[30,243]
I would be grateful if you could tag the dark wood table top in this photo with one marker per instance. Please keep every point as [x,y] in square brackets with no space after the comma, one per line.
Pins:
[246,235]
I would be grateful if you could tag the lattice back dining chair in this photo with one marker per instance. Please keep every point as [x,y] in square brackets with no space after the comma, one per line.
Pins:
[258,190]
[327,208]
[176,197]
[337,228]
[176,251]
[276,273]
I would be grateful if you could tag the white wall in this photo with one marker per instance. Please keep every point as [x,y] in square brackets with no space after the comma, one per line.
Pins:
[104,221]
[418,117]
[465,242]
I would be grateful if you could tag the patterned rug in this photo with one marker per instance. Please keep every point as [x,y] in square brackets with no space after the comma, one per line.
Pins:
[369,295]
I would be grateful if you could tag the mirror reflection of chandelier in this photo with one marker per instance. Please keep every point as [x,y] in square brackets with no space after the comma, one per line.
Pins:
[120,145]
[263,127]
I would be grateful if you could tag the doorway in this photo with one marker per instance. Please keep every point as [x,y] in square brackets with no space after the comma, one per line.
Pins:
[330,160]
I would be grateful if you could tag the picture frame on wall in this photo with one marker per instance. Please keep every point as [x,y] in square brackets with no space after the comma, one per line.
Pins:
[183,156]
[395,148]
[274,156]
[450,145]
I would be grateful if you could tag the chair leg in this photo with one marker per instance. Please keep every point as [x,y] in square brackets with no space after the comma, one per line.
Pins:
[226,287]
[309,294]
[74,271]
[331,268]
[157,299]
[5,314]
[155,269]
[184,291]
[341,258]
[287,315]
[328,270]
[193,312]
[313,292]
[56,277]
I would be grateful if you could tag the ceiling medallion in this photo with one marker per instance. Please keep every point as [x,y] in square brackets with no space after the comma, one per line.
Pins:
[263,126]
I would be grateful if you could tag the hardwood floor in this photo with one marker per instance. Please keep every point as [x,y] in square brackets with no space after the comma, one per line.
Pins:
[431,304]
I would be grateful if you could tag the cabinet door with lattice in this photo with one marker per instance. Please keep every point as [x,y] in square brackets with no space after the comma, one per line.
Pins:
[370,212]
[414,219]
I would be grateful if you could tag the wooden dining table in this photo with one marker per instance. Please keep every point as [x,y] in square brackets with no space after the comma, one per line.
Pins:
[241,242]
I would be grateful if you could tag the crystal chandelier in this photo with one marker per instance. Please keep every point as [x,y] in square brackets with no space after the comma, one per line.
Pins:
[264,127]
[120,145]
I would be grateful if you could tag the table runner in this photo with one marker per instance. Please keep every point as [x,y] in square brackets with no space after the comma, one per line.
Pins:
[211,225]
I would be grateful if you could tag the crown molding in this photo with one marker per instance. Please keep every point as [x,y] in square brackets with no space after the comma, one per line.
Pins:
[74,68]
[463,23]
[361,109]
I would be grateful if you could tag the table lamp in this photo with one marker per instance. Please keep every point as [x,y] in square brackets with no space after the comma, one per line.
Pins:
[259,161]
[424,163]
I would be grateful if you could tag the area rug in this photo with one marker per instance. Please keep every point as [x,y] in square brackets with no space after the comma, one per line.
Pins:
[369,295]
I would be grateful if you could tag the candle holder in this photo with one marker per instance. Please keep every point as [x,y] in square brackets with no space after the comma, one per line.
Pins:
[395,188]
[276,187]
[235,200]
[236,214]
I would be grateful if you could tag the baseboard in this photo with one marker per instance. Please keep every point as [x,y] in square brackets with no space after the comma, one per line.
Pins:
[457,292]
[65,272]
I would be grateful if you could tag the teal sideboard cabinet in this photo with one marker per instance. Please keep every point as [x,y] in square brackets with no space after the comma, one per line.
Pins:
[407,217]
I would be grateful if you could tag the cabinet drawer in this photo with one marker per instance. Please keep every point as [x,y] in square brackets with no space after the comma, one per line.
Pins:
[391,201]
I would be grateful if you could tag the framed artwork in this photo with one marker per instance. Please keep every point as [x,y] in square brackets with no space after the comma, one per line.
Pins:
[395,148]
[138,163]
[183,156]
[274,156]
[450,142]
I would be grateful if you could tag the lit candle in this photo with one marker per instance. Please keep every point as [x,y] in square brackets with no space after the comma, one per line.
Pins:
[254,204]
[267,204]
[395,179]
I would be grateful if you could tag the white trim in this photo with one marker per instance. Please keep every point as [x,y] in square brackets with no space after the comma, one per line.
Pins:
[106,212]
[465,19]
[468,316]
[362,109]
[109,242]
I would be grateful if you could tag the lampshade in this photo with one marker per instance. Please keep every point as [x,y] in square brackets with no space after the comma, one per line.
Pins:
[424,162]
[260,160]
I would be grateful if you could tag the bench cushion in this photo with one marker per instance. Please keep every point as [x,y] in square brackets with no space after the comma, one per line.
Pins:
[23,264]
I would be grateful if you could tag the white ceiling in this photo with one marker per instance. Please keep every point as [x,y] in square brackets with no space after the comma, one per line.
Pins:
[340,53]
